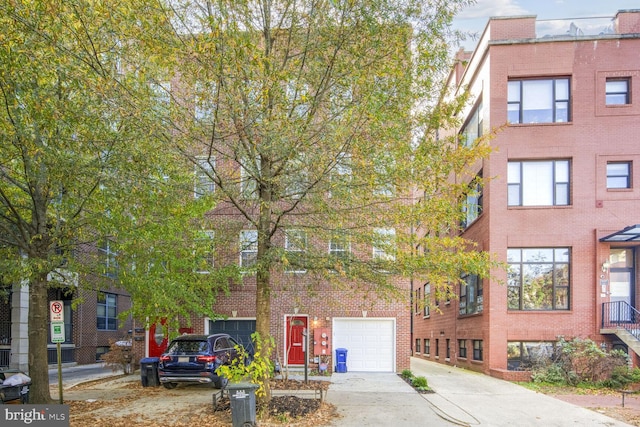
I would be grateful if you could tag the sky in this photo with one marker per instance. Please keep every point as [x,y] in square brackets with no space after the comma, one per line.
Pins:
[556,15]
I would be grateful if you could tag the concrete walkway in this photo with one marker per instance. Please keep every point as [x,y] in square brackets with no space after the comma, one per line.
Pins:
[461,397]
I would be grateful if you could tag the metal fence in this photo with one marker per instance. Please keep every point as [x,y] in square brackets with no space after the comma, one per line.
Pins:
[621,315]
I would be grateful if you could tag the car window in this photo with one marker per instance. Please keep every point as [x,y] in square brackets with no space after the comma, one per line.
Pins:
[221,343]
[187,347]
[233,343]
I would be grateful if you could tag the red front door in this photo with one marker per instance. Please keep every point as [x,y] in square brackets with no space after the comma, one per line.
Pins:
[296,325]
[158,339]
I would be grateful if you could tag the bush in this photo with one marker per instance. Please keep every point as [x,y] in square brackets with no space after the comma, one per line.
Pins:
[406,374]
[119,356]
[420,382]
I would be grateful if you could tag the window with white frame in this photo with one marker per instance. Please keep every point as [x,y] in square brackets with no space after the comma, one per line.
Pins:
[204,177]
[339,246]
[538,278]
[384,244]
[341,174]
[618,175]
[248,248]
[205,251]
[538,183]
[205,101]
[107,312]
[538,100]
[248,181]
[427,346]
[418,342]
[108,255]
[384,186]
[295,244]
[617,91]
[162,95]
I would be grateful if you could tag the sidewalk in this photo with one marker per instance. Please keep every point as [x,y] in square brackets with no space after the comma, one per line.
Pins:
[469,398]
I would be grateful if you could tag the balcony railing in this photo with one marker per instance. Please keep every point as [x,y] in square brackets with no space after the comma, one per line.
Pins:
[621,315]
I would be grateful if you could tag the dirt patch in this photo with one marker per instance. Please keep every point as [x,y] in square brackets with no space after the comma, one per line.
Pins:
[123,402]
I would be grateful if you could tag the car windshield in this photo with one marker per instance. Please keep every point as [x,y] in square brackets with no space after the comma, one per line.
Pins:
[186,347]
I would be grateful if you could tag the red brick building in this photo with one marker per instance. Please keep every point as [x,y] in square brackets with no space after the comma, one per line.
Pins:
[560,201]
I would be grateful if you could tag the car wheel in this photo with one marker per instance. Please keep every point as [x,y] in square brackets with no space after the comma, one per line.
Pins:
[221,383]
[170,386]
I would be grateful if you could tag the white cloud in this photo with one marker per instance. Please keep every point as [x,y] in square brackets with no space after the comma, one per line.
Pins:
[488,8]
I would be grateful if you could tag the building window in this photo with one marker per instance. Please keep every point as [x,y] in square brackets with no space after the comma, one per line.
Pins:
[437,347]
[522,355]
[477,350]
[472,207]
[427,300]
[205,251]
[204,173]
[471,295]
[295,244]
[472,130]
[617,91]
[204,101]
[448,349]
[427,346]
[538,278]
[108,256]
[339,247]
[538,183]
[248,181]
[341,174]
[417,345]
[618,174]
[107,312]
[418,301]
[462,349]
[538,101]
[384,244]
[100,351]
[248,248]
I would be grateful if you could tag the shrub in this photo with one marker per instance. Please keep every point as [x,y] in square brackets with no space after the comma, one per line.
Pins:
[119,356]
[420,382]
[406,374]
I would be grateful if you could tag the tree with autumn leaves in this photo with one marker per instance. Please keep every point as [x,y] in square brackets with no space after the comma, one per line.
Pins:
[316,116]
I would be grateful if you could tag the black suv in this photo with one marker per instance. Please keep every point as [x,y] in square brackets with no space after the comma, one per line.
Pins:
[195,358]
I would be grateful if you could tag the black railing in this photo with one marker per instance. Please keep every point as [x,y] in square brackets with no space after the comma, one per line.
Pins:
[5,332]
[68,355]
[621,315]
[4,357]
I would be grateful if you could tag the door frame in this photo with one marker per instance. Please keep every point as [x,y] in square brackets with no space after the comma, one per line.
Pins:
[287,318]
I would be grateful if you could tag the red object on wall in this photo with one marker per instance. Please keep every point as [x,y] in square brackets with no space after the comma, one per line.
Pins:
[321,343]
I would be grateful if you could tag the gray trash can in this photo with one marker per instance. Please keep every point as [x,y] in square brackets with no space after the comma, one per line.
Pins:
[242,397]
[149,371]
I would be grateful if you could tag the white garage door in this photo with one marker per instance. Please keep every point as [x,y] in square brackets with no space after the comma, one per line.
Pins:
[370,343]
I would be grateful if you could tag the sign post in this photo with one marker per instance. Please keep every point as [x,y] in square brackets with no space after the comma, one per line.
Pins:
[56,313]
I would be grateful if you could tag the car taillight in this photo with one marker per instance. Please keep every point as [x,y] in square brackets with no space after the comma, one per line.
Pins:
[165,358]
[206,359]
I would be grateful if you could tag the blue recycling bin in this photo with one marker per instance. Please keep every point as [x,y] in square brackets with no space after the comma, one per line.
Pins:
[341,360]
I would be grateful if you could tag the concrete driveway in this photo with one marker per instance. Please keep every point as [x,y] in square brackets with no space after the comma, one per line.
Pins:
[462,398]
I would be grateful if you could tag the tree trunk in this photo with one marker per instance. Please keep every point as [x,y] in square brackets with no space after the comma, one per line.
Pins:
[38,339]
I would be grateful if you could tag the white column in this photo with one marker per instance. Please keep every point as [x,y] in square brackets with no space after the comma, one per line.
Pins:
[19,358]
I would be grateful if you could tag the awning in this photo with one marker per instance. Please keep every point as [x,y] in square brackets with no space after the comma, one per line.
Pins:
[628,234]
